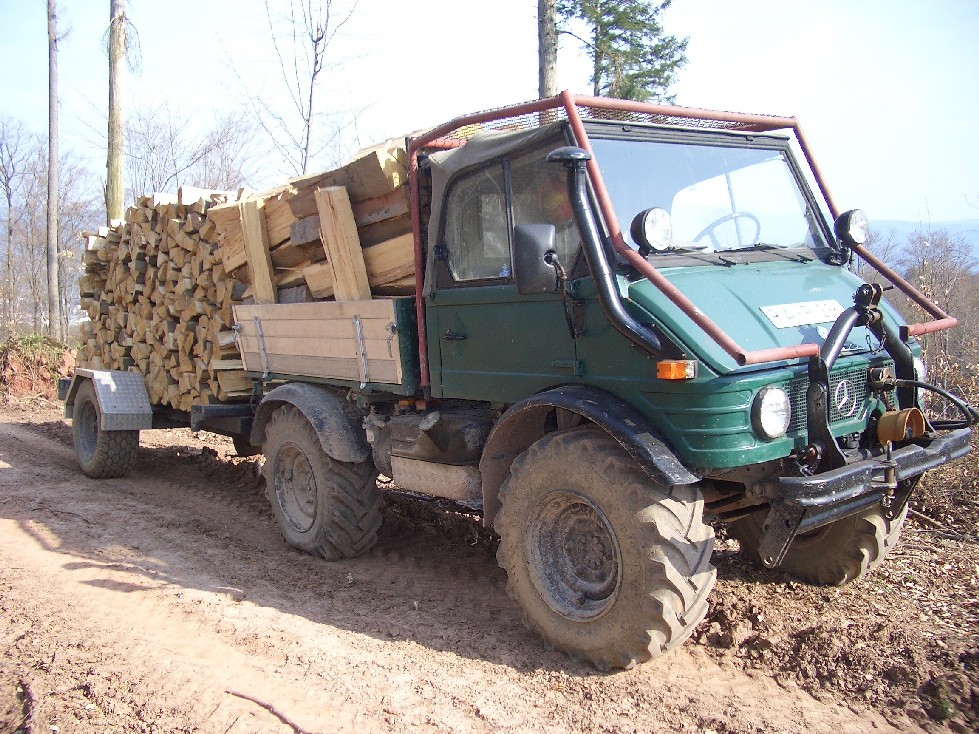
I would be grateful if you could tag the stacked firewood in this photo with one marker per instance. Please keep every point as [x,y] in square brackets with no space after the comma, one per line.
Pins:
[159,288]
[159,302]
[343,234]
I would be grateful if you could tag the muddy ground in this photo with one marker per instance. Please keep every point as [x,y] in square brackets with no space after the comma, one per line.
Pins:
[167,602]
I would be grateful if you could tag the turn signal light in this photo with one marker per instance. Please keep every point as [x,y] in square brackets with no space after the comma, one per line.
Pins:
[676,369]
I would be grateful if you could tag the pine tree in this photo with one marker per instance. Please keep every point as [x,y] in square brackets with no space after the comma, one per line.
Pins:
[632,56]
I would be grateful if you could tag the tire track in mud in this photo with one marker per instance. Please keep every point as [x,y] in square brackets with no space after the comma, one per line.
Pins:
[415,586]
[175,587]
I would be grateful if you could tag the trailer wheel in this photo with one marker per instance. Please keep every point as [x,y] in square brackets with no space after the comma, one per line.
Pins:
[832,555]
[607,566]
[101,454]
[322,506]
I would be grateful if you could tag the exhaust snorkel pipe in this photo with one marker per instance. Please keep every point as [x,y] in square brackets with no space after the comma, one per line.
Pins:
[575,160]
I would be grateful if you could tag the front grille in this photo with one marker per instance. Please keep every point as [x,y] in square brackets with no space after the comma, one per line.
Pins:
[855,393]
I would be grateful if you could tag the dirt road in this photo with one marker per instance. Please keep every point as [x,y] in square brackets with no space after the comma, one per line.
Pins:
[167,602]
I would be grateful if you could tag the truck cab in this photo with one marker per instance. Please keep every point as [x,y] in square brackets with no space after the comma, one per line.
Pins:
[670,292]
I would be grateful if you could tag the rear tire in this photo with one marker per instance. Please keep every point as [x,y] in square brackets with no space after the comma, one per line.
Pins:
[833,555]
[322,506]
[607,566]
[101,454]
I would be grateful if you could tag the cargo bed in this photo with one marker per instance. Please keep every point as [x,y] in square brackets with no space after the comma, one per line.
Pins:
[371,343]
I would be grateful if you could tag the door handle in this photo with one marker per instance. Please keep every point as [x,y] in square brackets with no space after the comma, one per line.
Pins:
[451,336]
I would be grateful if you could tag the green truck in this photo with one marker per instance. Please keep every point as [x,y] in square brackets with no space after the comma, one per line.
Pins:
[631,323]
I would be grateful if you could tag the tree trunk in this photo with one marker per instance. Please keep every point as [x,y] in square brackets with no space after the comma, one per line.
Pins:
[54,296]
[547,47]
[114,192]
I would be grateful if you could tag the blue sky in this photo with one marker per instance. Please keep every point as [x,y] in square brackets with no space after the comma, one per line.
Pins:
[885,90]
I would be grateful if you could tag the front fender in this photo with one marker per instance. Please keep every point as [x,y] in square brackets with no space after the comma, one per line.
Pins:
[525,422]
[336,422]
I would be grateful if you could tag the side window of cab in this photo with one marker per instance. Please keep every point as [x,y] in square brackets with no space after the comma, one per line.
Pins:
[476,236]
[483,206]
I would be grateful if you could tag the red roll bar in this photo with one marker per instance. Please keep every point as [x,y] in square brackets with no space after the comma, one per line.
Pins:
[453,133]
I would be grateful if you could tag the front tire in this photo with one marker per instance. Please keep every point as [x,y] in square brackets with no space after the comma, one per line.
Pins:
[101,454]
[607,566]
[322,506]
[832,555]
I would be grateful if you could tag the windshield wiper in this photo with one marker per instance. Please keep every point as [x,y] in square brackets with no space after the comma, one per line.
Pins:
[768,247]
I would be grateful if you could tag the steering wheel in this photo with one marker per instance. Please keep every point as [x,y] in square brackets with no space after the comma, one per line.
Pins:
[709,229]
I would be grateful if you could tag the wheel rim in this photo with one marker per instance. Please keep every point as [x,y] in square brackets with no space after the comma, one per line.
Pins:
[86,418]
[574,557]
[295,487]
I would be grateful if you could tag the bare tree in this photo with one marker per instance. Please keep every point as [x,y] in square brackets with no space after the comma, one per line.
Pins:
[165,151]
[53,297]
[30,257]
[79,205]
[547,47]
[229,156]
[942,267]
[14,151]
[301,38]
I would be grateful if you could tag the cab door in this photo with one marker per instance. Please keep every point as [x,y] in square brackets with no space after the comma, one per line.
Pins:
[486,341]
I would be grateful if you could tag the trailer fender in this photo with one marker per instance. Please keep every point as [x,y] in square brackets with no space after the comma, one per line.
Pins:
[336,422]
[123,402]
[525,422]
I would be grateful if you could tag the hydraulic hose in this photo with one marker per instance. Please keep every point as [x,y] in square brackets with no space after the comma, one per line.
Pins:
[971,415]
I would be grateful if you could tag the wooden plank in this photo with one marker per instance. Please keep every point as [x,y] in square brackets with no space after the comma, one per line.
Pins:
[257,251]
[329,368]
[234,381]
[319,279]
[374,329]
[289,277]
[390,261]
[295,294]
[343,348]
[391,205]
[305,230]
[377,308]
[342,245]
[401,287]
[290,256]
[373,173]
[279,218]
[386,230]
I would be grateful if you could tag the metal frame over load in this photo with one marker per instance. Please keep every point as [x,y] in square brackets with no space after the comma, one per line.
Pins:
[576,108]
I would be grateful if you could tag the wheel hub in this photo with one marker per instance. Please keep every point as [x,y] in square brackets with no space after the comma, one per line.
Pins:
[574,556]
[295,487]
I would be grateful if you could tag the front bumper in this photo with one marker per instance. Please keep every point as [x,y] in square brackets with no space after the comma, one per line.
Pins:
[809,502]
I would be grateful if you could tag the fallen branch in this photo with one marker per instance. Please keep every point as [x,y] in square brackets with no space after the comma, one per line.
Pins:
[942,531]
[272,710]
[921,517]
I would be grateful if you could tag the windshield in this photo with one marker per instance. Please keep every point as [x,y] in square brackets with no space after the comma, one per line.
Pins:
[720,198]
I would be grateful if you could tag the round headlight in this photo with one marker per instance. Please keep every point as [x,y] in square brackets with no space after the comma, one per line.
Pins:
[853,227]
[652,229]
[771,412]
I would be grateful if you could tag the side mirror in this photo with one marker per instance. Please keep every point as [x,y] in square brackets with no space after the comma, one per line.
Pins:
[533,246]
